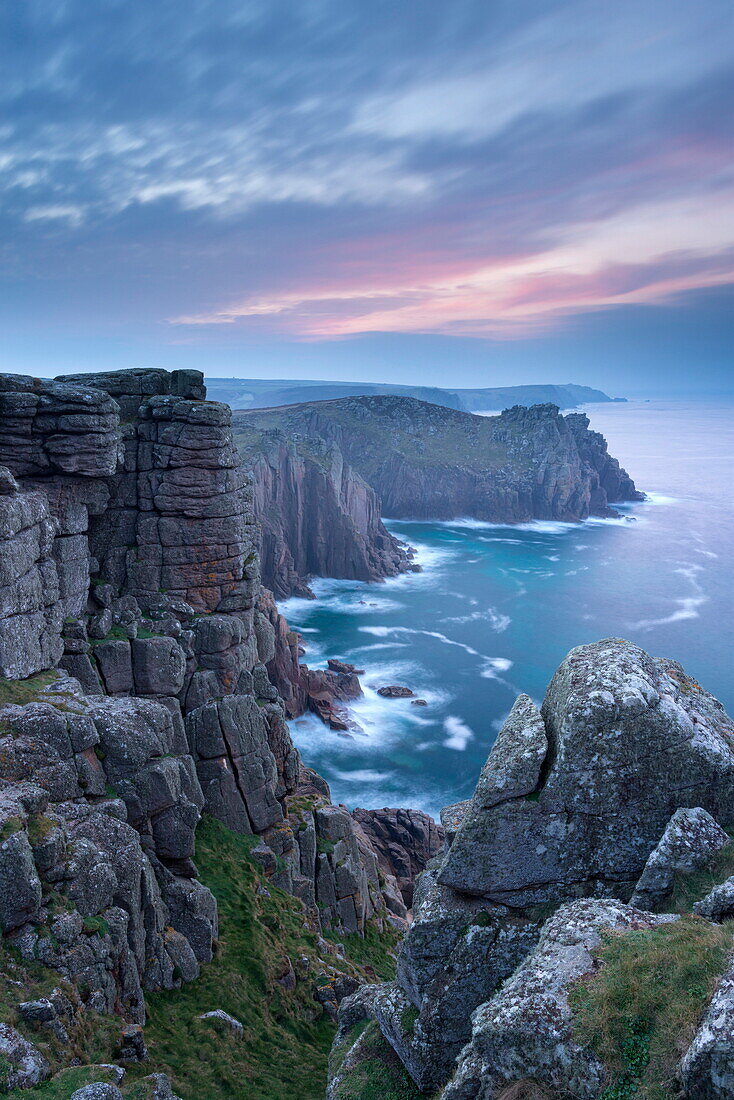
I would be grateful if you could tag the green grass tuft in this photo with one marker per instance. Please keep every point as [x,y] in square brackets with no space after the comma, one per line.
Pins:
[640,1010]
[693,886]
[26,691]
[377,1072]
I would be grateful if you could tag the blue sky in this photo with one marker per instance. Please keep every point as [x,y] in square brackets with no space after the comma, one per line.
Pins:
[476,192]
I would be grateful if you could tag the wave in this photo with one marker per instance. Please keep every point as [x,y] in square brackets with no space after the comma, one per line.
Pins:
[496,619]
[459,734]
[491,665]
[685,607]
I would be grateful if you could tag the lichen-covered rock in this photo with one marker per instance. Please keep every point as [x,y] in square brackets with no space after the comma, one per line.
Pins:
[707,1070]
[526,1029]
[631,739]
[690,840]
[573,799]
[718,905]
[21,1065]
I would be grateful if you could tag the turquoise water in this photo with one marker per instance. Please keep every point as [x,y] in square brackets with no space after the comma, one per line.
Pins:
[497,608]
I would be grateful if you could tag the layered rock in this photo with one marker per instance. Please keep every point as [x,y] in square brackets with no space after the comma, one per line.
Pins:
[128,594]
[429,462]
[575,801]
[318,517]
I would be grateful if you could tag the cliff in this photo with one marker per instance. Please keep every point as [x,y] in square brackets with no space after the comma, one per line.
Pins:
[317,516]
[259,393]
[592,814]
[135,696]
[429,462]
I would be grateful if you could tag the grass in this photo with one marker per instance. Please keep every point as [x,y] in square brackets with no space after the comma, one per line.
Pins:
[640,1010]
[285,1048]
[375,951]
[378,1073]
[26,691]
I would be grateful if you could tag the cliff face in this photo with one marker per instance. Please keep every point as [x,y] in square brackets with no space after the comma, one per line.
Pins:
[620,781]
[134,691]
[318,517]
[429,462]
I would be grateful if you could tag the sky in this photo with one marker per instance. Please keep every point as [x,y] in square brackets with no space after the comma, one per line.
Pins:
[483,192]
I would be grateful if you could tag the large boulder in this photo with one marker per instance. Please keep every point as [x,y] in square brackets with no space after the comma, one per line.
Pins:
[572,801]
[630,739]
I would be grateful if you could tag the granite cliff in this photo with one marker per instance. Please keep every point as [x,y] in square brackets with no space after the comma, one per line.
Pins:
[586,815]
[135,697]
[317,516]
[425,461]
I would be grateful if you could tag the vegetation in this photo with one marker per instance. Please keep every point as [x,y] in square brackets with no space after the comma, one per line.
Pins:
[375,1072]
[285,1048]
[27,691]
[641,1008]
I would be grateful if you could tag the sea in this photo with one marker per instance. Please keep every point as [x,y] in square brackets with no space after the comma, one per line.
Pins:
[497,608]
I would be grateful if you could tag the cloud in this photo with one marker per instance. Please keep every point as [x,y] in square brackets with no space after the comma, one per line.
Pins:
[646,254]
[325,170]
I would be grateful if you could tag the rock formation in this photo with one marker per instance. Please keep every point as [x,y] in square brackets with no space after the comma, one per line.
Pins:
[429,462]
[622,778]
[318,517]
[134,655]
[405,842]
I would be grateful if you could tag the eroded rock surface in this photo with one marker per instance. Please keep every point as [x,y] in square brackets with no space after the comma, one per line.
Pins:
[574,802]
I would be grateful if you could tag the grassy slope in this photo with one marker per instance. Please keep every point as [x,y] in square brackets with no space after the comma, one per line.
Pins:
[285,1049]
[426,435]
[284,1053]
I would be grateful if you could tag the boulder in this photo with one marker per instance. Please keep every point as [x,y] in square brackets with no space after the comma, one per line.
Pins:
[690,840]
[234,1026]
[21,1065]
[630,739]
[718,905]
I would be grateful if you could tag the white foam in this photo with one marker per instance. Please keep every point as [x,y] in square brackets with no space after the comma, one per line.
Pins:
[361,775]
[496,619]
[459,734]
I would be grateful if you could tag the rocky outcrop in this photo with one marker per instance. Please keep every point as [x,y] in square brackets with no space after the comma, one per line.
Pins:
[134,659]
[707,1069]
[690,841]
[573,799]
[618,728]
[526,1031]
[429,462]
[318,517]
[405,842]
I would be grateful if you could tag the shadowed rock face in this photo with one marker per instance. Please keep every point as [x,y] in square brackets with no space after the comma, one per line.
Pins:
[405,842]
[318,517]
[429,462]
[627,756]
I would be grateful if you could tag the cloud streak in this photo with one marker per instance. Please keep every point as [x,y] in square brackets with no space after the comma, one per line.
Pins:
[327,170]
